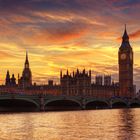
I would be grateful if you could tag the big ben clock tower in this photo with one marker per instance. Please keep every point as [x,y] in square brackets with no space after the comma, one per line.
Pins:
[125,67]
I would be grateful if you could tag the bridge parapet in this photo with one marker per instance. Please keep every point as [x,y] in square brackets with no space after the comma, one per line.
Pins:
[41,100]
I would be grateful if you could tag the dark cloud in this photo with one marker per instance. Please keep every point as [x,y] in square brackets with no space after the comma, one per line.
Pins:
[58,34]
[125,3]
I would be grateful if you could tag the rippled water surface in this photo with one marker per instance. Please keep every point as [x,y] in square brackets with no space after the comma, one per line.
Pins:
[117,124]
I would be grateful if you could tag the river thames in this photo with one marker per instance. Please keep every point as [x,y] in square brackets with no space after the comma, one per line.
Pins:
[115,124]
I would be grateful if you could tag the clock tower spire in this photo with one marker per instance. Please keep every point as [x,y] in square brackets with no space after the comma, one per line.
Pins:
[26,61]
[125,61]
[27,74]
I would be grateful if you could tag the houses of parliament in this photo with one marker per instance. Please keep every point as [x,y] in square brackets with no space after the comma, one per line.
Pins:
[78,83]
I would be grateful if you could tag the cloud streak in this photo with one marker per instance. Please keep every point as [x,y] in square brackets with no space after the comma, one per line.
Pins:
[66,34]
[135,35]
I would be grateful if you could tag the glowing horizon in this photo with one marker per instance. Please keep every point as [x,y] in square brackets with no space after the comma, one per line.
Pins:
[61,35]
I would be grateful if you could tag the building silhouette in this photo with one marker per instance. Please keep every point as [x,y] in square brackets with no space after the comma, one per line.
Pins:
[10,81]
[25,80]
[79,83]
[125,59]
[107,80]
[99,80]
[7,80]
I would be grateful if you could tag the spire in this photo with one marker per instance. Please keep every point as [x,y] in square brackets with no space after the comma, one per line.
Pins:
[125,40]
[61,74]
[125,35]
[8,75]
[18,76]
[67,72]
[13,80]
[77,71]
[8,72]
[26,61]
[90,72]
[13,76]
[83,71]
[7,80]
[73,74]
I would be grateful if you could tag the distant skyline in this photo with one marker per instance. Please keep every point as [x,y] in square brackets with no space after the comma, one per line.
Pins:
[67,34]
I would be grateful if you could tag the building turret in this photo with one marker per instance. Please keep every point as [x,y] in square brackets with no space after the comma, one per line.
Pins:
[7,80]
[61,74]
[90,73]
[84,71]
[13,80]
[67,72]
[73,74]
[77,71]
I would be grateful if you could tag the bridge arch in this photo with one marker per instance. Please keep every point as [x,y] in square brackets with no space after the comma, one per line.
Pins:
[97,103]
[62,104]
[119,103]
[134,104]
[18,104]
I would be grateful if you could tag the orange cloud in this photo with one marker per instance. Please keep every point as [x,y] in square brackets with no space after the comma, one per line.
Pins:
[135,34]
[45,36]
[5,55]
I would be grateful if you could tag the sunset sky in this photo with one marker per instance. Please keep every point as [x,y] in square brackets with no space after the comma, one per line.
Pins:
[67,34]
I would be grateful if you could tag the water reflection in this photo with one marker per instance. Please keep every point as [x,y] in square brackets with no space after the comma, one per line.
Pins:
[127,124]
[117,124]
[27,126]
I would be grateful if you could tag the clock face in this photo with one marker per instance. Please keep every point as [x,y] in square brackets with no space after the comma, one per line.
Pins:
[123,56]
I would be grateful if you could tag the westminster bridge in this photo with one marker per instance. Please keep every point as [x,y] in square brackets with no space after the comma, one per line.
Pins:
[40,102]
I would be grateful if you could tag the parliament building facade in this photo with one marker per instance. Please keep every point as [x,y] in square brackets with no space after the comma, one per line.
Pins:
[79,83]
